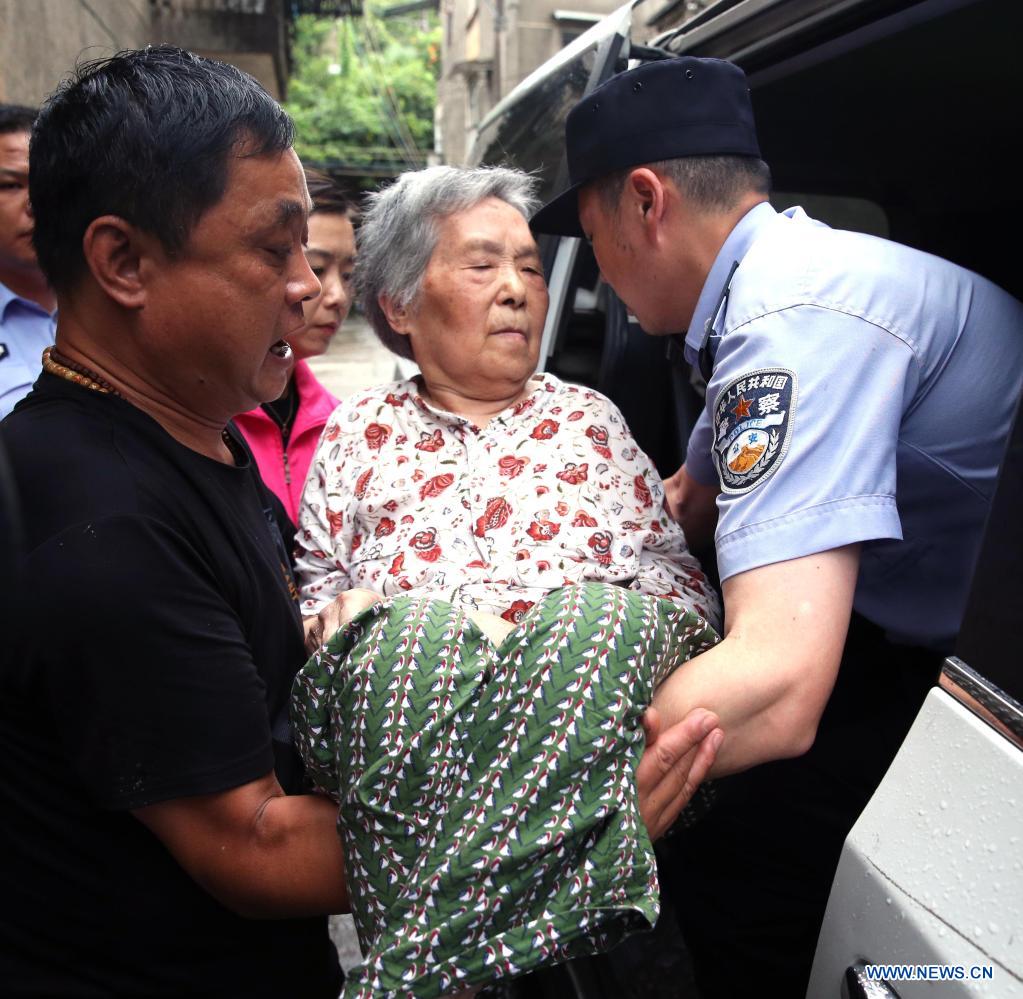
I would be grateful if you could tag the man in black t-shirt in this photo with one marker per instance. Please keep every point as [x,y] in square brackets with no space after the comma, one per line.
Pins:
[155,840]
[151,798]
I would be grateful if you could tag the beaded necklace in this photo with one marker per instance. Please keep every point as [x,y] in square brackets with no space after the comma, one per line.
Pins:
[55,363]
[61,366]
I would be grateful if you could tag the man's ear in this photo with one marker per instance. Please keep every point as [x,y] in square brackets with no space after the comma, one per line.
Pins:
[398,317]
[645,197]
[113,250]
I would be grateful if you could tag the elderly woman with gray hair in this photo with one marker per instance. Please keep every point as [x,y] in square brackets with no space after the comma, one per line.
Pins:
[510,593]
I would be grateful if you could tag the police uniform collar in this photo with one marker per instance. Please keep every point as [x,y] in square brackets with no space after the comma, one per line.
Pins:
[708,306]
[7,297]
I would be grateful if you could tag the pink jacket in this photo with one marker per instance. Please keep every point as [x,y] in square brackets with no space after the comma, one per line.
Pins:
[284,471]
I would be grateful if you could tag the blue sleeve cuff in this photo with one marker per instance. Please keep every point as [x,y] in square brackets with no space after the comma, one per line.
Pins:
[805,532]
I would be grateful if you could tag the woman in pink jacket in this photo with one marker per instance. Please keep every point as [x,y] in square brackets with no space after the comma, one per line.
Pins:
[283,434]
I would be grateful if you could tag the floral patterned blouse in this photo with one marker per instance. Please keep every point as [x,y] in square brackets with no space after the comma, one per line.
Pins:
[553,491]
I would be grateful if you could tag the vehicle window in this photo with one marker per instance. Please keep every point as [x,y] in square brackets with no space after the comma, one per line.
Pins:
[529,133]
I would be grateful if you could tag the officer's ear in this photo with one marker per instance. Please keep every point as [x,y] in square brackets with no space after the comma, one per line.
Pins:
[645,197]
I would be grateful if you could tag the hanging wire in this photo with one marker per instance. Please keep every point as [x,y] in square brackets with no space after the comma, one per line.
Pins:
[408,140]
[400,146]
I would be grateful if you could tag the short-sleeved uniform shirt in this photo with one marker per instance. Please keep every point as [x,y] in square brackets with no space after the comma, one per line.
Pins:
[862,391]
[156,638]
[26,330]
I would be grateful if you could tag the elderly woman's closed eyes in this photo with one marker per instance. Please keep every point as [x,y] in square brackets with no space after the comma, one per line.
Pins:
[481,725]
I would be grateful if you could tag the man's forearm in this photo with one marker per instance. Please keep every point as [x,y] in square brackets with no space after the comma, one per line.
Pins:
[259,852]
[297,865]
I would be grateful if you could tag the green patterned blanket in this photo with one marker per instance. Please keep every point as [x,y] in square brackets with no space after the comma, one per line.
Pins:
[487,795]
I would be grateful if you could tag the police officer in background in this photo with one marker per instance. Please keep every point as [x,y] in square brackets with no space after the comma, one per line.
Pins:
[859,398]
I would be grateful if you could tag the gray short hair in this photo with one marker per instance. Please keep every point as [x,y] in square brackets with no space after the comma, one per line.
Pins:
[400,229]
[711,183]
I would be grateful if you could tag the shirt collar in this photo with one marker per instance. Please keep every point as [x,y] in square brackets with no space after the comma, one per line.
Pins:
[739,240]
[7,296]
[532,402]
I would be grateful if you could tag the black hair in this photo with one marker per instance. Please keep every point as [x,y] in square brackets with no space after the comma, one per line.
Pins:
[328,196]
[146,136]
[16,118]
[712,183]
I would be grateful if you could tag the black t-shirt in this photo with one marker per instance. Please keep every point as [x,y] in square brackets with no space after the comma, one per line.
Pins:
[155,640]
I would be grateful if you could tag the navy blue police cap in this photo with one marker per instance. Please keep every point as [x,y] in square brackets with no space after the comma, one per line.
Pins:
[661,110]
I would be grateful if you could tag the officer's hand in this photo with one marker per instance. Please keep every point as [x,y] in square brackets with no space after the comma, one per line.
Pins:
[336,615]
[674,764]
[674,494]
[693,505]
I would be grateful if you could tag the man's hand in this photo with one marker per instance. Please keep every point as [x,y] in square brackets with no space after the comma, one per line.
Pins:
[674,494]
[336,615]
[674,764]
[694,506]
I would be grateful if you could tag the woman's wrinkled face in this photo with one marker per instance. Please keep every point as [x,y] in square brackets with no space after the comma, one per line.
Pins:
[476,325]
[331,255]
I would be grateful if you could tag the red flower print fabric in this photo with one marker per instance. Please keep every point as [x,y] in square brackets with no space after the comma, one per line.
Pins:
[510,466]
[377,434]
[436,485]
[495,515]
[544,430]
[402,496]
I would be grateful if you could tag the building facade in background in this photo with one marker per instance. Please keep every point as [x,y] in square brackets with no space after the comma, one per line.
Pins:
[488,46]
[41,40]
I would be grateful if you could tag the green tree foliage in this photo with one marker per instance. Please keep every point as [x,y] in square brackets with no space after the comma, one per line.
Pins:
[363,89]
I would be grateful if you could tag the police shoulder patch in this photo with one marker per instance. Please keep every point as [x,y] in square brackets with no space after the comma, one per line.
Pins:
[752,426]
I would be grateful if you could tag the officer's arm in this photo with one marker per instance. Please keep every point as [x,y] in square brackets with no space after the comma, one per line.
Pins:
[259,852]
[772,674]
[694,506]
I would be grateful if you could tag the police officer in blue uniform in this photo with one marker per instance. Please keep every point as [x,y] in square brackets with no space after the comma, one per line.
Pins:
[859,397]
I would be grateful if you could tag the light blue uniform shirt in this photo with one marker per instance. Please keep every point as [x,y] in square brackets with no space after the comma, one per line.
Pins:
[862,391]
[26,330]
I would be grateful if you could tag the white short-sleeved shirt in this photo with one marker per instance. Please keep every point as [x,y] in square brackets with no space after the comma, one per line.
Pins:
[861,391]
